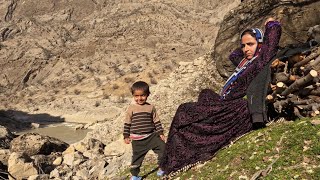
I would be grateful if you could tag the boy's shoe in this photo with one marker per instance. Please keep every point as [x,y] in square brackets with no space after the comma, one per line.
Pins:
[160,173]
[135,178]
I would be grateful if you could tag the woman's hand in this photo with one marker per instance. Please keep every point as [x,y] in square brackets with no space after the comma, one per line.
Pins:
[268,20]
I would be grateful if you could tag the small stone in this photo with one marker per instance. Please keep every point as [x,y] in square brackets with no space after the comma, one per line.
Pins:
[315,122]
[39,177]
[80,126]
[198,62]
[80,147]
[57,161]
[35,125]
[88,125]
[310,171]
[183,63]
[54,174]
[243,177]
[68,159]
[70,149]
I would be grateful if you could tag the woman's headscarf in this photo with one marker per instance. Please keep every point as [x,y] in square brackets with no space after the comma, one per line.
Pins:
[258,34]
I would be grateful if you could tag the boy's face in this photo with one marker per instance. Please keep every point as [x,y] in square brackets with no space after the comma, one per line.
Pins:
[140,97]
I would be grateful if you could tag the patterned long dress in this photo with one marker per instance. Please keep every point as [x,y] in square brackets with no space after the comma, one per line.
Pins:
[199,129]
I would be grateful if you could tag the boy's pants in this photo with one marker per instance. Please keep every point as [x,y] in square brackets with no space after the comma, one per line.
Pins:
[141,147]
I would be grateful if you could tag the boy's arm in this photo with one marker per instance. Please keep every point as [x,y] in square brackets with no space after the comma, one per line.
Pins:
[157,122]
[127,123]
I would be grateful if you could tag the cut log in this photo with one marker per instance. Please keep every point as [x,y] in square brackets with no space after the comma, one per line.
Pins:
[285,69]
[315,92]
[306,91]
[313,114]
[276,64]
[315,98]
[295,85]
[295,59]
[281,77]
[292,78]
[280,87]
[297,113]
[314,63]
[313,107]
[276,91]
[302,102]
[307,59]
[270,98]
[300,83]
[273,87]
[279,105]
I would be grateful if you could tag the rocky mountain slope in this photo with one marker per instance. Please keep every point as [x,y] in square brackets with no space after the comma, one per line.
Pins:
[189,78]
[74,60]
[77,59]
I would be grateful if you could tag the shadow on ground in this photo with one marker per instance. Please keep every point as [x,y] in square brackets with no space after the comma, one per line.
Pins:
[19,120]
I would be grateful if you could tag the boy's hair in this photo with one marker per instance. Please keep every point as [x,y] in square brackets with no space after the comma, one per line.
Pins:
[141,85]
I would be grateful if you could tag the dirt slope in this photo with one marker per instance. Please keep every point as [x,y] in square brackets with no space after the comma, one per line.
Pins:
[76,59]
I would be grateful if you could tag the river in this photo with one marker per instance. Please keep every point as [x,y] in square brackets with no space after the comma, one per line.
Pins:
[64,131]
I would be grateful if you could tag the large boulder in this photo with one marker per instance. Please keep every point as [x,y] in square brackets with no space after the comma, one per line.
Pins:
[33,143]
[21,166]
[45,162]
[295,16]
[5,137]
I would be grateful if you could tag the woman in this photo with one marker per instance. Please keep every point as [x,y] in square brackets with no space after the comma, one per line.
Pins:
[200,129]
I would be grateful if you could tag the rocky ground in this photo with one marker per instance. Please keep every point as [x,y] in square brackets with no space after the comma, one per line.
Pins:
[75,60]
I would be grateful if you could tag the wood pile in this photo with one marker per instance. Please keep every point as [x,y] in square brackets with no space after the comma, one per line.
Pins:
[295,85]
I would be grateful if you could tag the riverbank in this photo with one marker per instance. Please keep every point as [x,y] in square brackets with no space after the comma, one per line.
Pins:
[66,132]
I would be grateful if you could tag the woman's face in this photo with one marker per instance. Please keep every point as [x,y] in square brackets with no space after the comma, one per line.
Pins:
[249,45]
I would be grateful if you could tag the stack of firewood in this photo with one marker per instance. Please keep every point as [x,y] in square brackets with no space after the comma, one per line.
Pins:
[295,85]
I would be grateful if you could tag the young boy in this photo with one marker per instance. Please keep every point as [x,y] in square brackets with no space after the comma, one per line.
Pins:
[143,129]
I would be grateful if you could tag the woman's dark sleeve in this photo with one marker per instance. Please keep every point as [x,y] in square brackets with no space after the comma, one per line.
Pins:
[270,43]
[236,56]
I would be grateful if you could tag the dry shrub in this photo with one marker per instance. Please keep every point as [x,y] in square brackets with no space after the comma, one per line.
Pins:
[115,86]
[97,104]
[128,79]
[153,81]
[150,75]
[106,96]
[135,69]
[98,81]
[77,92]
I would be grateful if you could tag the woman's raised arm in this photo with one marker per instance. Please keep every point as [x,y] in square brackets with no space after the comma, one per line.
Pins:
[271,40]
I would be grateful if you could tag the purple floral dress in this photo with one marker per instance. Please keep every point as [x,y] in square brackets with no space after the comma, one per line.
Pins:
[200,129]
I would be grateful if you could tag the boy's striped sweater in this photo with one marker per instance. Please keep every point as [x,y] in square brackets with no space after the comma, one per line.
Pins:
[141,119]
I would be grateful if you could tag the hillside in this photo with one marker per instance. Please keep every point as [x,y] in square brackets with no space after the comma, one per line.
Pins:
[76,59]
[287,150]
